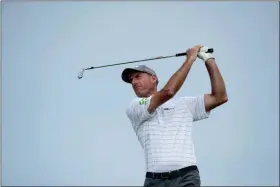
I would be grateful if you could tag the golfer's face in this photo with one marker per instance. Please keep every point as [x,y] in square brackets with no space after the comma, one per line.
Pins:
[141,83]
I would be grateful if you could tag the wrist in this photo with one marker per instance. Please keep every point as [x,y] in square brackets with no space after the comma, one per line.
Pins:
[210,60]
[205,56]
[189,61]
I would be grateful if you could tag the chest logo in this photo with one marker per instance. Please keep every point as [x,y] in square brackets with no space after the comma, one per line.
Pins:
[143,101]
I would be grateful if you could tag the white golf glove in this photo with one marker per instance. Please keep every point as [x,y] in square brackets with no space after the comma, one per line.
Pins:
[203,55]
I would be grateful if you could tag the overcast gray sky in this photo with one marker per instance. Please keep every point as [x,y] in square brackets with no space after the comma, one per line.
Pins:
[58,130]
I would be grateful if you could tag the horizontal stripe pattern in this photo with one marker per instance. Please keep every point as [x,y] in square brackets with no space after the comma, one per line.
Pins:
[166,134]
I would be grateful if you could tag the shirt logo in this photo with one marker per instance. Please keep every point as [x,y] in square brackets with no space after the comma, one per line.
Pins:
[143,101]
[168,109]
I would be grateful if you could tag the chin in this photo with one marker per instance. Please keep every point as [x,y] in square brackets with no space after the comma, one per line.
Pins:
[139,94]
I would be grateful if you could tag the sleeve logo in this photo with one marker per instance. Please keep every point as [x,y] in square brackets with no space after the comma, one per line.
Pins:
[143,101]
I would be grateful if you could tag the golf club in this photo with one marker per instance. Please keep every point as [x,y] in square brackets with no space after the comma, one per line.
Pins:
[203,49]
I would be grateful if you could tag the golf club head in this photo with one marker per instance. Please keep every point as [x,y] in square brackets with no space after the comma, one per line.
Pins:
[81,74]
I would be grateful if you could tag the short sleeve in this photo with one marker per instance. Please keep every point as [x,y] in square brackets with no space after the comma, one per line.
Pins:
[137,111]
[197,107]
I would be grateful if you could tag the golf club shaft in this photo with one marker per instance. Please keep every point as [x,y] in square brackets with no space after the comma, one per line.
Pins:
[210,50]
[156,58]
[206,50]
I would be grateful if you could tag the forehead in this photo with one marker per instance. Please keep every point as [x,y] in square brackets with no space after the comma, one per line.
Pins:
[135,73]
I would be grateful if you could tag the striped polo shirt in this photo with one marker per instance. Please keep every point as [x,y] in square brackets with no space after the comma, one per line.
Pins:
[166,134]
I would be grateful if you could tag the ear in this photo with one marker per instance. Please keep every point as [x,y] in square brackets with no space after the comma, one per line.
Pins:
[154,79]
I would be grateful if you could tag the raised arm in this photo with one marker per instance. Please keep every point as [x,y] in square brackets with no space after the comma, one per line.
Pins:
[175,82]
[218,95]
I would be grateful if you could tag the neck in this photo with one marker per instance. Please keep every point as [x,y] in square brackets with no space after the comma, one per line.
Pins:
[152,92]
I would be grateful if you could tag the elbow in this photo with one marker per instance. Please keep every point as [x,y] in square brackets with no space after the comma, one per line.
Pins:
[168,93]
[220,99]
[223,99]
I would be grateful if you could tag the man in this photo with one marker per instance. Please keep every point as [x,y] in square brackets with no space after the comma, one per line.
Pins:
[163,123]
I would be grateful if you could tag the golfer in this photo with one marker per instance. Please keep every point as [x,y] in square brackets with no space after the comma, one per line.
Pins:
[163,123]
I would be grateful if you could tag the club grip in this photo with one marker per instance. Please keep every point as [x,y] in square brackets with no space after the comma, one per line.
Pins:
[210,50]
[181,54]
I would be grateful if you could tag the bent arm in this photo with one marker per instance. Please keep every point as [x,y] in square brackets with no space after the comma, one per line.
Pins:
[218,94]
[172,86]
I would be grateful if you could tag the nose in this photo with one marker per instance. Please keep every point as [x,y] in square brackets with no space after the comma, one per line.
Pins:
[133,81]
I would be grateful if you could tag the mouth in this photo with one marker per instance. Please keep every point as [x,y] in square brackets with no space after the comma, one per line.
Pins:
[137,88]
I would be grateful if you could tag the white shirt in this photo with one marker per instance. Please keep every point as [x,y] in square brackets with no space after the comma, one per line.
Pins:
[166,134]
